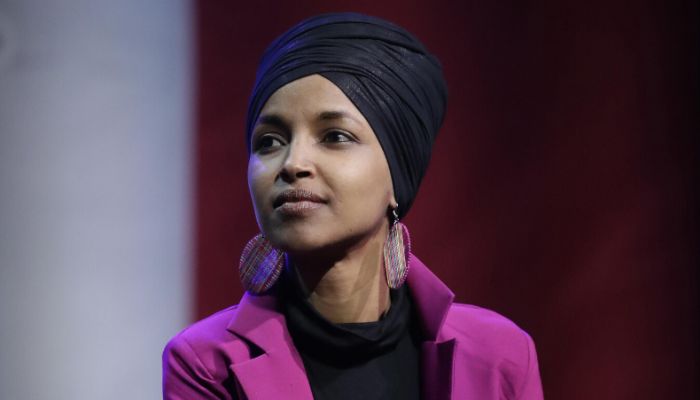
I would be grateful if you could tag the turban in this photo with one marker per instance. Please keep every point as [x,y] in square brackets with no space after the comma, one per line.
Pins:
[384,70]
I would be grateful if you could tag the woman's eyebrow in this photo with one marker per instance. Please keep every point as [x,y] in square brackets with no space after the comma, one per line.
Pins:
[334,115]
[272,119]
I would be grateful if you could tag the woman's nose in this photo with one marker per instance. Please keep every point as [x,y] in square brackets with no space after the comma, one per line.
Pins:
[297,163]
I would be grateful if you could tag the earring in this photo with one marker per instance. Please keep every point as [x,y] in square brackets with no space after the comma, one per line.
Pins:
[397,250]
[261,265]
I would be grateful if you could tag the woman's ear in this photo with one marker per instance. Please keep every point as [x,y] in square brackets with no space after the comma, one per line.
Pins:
[393,204]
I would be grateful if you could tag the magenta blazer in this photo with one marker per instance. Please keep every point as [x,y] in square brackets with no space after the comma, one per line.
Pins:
[246,352]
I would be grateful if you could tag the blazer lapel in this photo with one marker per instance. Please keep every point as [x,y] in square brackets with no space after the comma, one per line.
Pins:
[279,372]
[433,301]
[438,373]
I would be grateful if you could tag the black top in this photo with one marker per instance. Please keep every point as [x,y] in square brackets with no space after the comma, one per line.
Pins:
[372,360]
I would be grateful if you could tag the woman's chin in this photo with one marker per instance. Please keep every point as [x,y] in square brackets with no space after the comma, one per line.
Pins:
[300,245]
[297,244]
[298,238]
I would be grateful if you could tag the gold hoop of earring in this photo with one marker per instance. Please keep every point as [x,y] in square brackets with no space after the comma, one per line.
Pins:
[260,265]
[397,250]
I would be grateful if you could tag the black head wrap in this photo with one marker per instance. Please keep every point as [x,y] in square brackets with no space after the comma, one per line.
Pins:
[384,70]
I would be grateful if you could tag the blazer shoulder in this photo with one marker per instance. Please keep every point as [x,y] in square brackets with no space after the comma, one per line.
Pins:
[480,319]
[488,334]
[497,344]
[209,329]
[196,360]
[207,345]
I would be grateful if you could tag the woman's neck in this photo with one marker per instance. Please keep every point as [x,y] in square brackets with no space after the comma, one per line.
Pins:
[352,288]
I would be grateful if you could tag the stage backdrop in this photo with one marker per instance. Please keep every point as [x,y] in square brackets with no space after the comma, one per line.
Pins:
[560,191]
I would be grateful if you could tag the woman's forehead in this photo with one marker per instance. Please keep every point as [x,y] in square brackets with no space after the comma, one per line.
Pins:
[312,97]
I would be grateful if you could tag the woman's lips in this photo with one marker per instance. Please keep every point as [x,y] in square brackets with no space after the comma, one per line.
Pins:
[297,202]
[298,208]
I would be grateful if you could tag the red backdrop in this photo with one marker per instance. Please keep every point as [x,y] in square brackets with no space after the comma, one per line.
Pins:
[561,188]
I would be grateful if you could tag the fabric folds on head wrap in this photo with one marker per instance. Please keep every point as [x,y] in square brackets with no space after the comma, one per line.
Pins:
[384,70]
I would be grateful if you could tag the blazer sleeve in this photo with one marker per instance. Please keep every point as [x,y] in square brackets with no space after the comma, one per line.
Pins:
[185,377]
[531,388]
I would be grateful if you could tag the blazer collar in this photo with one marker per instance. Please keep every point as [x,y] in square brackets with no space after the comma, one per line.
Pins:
[279,372]
[259,321]
[433,300]
[431,297]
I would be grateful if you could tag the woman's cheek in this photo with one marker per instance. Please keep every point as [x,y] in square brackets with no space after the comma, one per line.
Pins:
[259,195]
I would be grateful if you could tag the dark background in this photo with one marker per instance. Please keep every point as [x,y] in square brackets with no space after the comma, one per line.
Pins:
[561,191]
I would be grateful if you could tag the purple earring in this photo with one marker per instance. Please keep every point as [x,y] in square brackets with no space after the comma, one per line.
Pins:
[397,250]
[260,266]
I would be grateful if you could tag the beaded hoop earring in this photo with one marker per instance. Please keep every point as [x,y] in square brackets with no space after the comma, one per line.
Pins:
[260,265]
[397,250]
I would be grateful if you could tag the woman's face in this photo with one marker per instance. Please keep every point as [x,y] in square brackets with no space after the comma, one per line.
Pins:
[317,173]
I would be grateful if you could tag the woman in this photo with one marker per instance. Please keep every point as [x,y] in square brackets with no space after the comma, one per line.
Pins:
[342,118]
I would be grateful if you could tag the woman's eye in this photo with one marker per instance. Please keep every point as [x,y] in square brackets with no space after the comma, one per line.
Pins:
[337,137]
[267,142]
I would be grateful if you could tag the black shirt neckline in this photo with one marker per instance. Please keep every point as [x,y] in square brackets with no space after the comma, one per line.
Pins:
[314,335]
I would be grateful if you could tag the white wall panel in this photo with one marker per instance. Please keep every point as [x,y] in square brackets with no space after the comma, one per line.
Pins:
[95,193]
